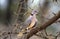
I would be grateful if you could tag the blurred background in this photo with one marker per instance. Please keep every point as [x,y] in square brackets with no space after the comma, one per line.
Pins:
[9,9]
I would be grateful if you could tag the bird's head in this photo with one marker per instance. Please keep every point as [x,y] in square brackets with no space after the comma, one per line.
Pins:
[34,12]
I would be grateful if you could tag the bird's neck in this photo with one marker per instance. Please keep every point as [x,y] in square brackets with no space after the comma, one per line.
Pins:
[34,15]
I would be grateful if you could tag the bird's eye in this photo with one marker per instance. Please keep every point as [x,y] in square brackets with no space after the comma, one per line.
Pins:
[32,14]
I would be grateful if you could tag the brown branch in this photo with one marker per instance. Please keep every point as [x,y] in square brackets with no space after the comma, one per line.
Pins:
[43,26]
[16,15]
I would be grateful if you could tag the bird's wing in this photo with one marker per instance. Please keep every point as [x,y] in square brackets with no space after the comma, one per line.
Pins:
[31,24]
[27,22]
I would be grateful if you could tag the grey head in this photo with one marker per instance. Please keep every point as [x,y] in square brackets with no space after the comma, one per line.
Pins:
[34,12]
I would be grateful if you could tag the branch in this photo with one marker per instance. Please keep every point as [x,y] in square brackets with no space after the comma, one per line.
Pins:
[43,26]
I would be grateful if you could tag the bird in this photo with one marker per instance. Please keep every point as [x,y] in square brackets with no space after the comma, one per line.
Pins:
[31,21]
